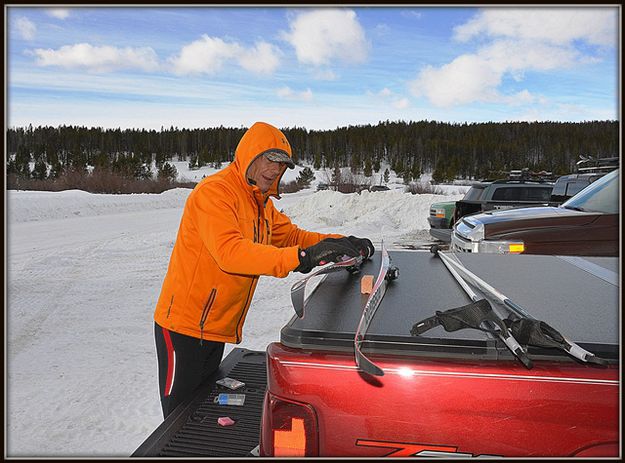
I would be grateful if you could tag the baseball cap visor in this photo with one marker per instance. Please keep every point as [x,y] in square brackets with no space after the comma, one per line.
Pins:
[280,156]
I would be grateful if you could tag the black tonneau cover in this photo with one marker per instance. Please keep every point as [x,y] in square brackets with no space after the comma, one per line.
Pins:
[578,297]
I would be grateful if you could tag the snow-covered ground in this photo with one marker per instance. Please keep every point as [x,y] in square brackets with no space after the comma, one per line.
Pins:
[84,272]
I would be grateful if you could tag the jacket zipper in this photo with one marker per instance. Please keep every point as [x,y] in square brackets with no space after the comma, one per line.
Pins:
[170,303]
[207,306]
[259,240]
[249,291]
[245,306]
[267,231]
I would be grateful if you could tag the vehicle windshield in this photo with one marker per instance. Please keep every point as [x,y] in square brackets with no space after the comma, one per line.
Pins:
[600,196]
[474,193]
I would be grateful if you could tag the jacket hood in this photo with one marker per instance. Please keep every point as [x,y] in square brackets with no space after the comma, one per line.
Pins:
[258,139]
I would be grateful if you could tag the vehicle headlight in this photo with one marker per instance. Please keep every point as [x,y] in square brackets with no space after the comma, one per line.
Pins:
[470,229]
[439,213]
[501,247]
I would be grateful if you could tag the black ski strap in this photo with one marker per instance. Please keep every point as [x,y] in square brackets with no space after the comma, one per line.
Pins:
[472,315]
[540,334]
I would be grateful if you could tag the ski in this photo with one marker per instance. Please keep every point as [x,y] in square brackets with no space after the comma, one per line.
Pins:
[298,289]
[386,274]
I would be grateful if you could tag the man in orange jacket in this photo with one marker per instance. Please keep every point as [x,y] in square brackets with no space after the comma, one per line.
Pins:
[230,234]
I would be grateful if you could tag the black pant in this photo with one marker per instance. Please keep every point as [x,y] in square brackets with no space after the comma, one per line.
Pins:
[183,364]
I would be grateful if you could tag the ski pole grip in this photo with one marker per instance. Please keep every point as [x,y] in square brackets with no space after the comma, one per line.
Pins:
[519,352]
[585,356]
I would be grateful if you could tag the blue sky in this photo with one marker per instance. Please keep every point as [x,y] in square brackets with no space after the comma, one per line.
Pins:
[319,68]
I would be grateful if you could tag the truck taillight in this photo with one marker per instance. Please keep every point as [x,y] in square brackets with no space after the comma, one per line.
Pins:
[292,429]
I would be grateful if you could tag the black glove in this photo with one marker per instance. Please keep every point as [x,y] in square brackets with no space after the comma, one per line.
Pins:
[364,246]
[328,250]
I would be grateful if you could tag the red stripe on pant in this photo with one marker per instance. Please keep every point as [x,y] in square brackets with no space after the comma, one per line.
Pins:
[170,362]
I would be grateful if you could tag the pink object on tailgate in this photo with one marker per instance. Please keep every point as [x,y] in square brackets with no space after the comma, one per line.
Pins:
[225,421]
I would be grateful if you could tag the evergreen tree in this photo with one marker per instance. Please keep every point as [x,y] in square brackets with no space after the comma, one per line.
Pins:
[368,169]
[337,177]
[203,158]
[11,168]
[416,171]
[305,176]
[407,176]
[40,171]
[168,172]
[56,169]
[22,162]
[317,161]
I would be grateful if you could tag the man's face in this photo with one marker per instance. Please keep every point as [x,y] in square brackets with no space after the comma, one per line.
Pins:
[264,172]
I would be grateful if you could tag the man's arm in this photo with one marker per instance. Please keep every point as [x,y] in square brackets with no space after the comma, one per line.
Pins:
[214,214]
[285,234]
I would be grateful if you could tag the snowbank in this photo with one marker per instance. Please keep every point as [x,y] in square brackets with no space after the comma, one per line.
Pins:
[27,206]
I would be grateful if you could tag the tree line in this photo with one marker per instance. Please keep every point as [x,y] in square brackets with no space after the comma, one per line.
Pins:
[449,150]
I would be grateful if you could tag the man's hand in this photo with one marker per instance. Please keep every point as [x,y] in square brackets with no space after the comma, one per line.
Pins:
[364,246]
[328,250]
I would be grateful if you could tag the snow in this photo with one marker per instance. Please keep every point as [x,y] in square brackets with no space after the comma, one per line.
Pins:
[84,272]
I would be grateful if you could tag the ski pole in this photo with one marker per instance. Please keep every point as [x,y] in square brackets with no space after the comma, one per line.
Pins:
[509,340]
[574,349]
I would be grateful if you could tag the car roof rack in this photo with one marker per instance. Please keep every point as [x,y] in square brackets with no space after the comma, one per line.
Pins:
[520,176]
[589,164]
[527,174]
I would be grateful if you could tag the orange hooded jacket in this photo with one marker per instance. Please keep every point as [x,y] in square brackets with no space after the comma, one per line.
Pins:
[230,234]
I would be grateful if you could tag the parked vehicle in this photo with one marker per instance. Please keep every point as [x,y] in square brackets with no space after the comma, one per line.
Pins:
[488,195]
[585,225]
[443,393]
[588,170]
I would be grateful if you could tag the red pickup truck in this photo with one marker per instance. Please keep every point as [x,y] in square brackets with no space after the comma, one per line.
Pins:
[459,393]
[442,393]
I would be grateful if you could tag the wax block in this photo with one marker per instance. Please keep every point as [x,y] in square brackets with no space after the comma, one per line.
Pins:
[366,284]
[225,421]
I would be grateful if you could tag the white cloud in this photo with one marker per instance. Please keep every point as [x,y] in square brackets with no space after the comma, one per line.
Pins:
[518,40]
[321,37]
[26,28]
[98,58]
[209,54]
[411,14]
[262,59]
[520,55]
[289,94]
[387,96]
[476,77]
[204,56]
[58,13]
[466,79]
[402,103]
[597,26]
[523,97]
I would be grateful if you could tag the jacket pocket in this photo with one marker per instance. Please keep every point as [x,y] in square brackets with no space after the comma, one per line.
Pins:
[207,307]
[170,304]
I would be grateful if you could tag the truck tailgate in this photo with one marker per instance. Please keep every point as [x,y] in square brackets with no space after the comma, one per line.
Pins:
[192,429]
